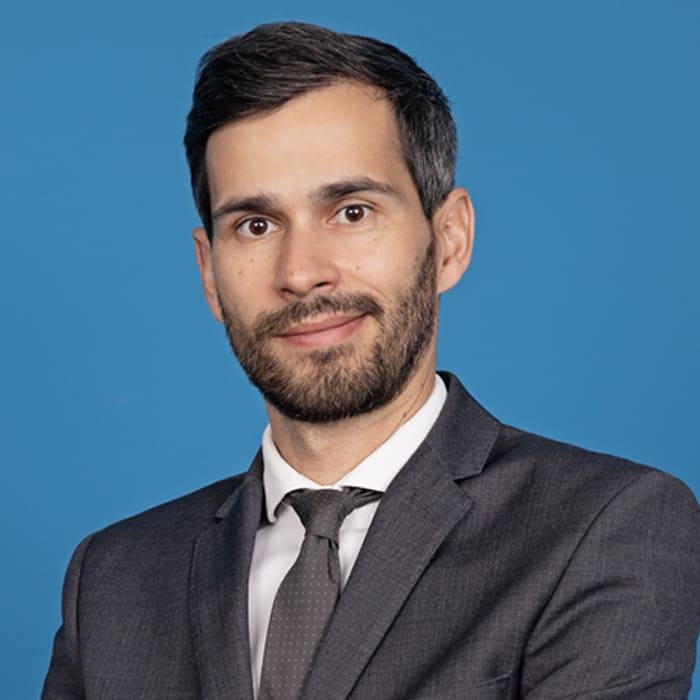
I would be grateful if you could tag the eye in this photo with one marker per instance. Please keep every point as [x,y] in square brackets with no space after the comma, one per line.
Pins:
[256,227]
[353,213]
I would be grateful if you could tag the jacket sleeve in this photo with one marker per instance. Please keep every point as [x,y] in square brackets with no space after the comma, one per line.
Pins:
[623,620]
[64,680]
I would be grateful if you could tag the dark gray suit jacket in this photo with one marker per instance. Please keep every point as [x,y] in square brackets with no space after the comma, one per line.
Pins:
[499,565]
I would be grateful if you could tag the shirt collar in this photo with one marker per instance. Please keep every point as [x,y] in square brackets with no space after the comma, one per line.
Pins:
[375,472]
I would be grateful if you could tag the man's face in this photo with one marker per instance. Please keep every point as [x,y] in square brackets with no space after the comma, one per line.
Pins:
[323,265]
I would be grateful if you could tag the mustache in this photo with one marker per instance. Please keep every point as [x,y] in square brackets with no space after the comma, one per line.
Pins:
[276,322]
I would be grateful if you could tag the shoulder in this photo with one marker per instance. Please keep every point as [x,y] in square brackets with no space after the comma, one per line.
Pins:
[621,542]
[573,473]
[160,531]
[577,502]
[541,478]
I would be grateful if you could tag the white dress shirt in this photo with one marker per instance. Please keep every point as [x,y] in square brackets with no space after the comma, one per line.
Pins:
[277,544]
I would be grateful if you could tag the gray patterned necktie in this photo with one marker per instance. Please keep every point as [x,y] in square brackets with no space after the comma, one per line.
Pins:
[309,592]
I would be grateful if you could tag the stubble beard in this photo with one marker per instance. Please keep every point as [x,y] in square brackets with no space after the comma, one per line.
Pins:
[342,381]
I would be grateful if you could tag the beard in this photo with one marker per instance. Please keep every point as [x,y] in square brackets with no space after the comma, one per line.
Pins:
[342,381]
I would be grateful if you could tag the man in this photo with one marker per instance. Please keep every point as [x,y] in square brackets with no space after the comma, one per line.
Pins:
[474,560]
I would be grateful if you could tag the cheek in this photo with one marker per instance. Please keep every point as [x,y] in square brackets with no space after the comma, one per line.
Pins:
[235,273]
[389,268]
[386,282]
[236,289]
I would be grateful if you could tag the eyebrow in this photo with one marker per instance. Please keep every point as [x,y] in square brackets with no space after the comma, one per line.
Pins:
[325,193]
[336,190]
[258,202]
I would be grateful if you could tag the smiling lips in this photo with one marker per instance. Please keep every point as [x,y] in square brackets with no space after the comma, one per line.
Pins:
[319,334]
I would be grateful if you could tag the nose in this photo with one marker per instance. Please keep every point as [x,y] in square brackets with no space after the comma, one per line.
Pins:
[305,264]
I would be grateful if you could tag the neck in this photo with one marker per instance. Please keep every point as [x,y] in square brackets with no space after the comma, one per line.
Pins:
[325,452]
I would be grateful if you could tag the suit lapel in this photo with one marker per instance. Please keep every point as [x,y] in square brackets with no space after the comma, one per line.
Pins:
[219,592]
[420,508]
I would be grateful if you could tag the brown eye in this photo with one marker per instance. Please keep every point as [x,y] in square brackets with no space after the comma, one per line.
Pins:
[353,213]
[256,227]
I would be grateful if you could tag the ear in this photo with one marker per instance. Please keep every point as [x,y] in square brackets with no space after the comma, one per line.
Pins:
[203,251]
[453,226]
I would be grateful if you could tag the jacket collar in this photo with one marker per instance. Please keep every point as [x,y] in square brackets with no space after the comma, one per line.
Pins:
[419,509]
[219,592]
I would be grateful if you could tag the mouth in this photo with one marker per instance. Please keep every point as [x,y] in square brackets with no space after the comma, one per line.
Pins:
[323,332]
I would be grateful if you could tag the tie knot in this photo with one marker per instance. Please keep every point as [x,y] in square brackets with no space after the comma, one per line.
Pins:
[322,511]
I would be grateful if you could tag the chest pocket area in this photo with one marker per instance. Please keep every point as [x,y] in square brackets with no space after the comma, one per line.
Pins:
[492,689]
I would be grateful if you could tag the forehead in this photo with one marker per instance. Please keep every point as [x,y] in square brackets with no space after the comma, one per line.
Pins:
[332,133]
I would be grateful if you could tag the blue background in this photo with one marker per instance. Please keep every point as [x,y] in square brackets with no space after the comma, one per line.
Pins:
[578,319]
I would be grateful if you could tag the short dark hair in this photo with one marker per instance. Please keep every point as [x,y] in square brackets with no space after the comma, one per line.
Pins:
[259,71]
